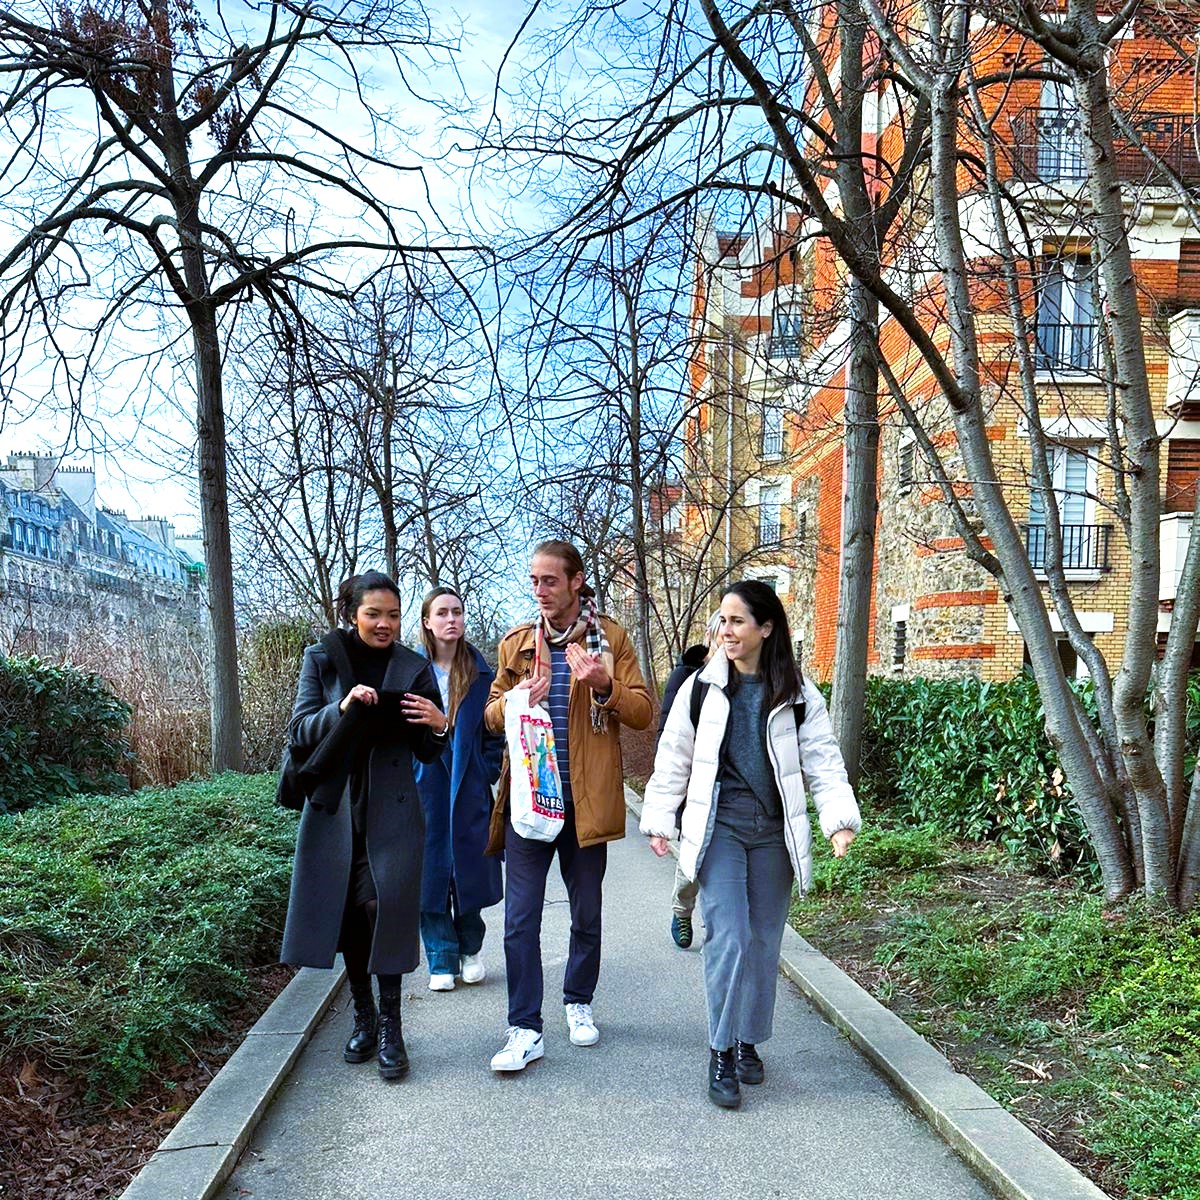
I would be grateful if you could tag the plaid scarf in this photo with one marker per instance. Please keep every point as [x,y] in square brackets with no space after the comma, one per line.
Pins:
[586,627]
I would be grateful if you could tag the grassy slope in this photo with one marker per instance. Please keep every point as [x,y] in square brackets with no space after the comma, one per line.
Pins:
[1085,1022]
[127,924]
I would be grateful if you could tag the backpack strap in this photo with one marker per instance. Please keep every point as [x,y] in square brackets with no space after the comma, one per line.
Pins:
[697,699]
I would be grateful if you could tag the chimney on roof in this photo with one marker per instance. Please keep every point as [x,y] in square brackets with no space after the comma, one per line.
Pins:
[158,528]
[79,484]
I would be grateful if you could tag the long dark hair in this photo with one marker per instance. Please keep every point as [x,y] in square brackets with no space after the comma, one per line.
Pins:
[351,592]
[463,669]
[780,675]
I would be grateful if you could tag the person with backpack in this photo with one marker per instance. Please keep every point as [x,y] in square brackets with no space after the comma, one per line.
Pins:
[761,738]
[356,879]
[458,881]
[683,896]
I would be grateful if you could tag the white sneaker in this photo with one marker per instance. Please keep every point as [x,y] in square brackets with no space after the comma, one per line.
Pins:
[522,1048]
[472,969]
[582,1026]
[441,983]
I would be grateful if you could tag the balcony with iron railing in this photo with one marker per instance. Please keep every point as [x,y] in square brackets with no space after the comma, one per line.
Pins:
[772,443]
[785,345]
[1067,347]
[1084,548]
[1047,146]
[769,531]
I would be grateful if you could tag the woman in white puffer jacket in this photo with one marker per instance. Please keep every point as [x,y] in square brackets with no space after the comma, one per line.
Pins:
[762,735]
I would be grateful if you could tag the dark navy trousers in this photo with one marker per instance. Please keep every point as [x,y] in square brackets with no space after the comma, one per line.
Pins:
[526,865]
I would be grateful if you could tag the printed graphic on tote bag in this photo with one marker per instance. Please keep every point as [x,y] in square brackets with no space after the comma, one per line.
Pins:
[537,741]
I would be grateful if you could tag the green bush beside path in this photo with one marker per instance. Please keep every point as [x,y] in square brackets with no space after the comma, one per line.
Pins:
[128,924]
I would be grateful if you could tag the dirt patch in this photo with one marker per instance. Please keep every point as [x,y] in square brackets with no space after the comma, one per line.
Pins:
[55,1147]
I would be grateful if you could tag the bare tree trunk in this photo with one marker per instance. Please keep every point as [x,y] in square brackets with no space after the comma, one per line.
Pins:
[1116,265]
[859,512]
[218,554]
[1022,592]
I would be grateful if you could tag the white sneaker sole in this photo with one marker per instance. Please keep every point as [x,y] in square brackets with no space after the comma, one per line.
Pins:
[584,1037]
[441,983]
[503,1063]
[473,977]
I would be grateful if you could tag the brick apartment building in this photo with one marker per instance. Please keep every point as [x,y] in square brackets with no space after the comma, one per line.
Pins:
[769,373]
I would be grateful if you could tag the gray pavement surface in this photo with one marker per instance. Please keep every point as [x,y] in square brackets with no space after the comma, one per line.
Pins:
[628,1117]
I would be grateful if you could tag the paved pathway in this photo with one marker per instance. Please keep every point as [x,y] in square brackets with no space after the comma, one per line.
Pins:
[628,1117]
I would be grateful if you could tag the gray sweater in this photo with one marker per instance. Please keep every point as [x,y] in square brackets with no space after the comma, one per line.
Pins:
[748,787]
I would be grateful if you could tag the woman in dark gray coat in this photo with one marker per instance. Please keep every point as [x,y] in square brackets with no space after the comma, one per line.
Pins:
[356,883]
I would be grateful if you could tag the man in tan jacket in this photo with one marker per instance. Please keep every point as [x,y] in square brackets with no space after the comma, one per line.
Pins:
[581,666]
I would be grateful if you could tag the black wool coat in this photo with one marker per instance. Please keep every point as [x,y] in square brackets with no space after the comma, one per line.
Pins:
[395,832]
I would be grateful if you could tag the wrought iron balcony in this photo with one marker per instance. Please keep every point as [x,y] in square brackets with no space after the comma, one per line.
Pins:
[772,443]
[1047,146]
[1067,347]
[1084,547]
[785,345]
[768,533]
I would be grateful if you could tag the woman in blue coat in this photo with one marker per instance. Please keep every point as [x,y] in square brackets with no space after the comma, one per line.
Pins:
[456,791]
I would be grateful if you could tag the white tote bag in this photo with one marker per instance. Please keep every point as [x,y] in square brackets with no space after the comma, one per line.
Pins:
[536,794]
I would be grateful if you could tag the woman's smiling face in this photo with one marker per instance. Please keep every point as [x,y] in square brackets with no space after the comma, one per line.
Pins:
[377,618]
[740,635]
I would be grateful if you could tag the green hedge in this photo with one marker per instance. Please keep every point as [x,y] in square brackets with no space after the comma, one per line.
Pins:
[127,924]
[62,731]
[973,758]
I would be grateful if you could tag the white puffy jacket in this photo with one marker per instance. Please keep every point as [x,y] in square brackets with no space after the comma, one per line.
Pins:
[687,765]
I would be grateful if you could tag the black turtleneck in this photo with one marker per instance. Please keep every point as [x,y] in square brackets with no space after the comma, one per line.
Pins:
[370,663]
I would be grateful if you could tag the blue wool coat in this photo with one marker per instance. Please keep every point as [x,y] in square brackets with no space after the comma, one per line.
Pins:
[456,793]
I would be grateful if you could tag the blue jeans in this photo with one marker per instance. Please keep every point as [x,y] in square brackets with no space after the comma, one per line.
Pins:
[526,864]
[450,936]
[745,890]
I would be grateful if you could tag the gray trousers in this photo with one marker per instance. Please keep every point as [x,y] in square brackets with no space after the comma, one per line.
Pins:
[683,899]
[745,890]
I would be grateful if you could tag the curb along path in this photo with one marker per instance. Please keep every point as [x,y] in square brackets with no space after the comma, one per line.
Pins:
[198,1154]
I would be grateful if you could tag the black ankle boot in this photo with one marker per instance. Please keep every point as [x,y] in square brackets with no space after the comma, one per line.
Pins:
[361,1046]
[722,1079]
[749,1066]
[393,1058]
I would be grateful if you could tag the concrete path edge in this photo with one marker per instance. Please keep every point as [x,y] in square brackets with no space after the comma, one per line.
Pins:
[1007,1156]
[200,1152]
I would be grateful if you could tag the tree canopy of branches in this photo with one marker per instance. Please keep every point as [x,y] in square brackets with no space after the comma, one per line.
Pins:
[930,224]
[367,440]
[169,164]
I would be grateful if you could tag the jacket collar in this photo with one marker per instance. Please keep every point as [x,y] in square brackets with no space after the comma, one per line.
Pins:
[716,670]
